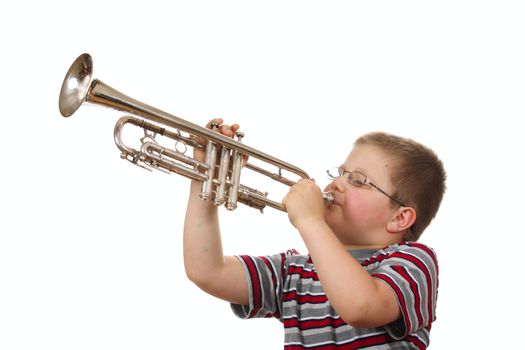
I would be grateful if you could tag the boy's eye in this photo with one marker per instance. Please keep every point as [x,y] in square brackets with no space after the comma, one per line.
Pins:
[356,182]
[357,179]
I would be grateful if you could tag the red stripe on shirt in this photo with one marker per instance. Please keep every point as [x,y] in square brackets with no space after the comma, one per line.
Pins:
[312,324]
[417,342]
[256,285]
[400,298]
[420,264]
[427,250]
[302,272]
[415,291]
[305,298]
[354,345]
[276,314]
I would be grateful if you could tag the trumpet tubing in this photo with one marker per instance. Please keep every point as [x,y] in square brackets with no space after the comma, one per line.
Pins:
[220,171]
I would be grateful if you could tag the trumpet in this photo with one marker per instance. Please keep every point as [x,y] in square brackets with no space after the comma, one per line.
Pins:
[220,171]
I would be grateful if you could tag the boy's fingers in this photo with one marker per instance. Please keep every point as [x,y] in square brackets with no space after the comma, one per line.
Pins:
[225,129]
[215,120]
[235,128]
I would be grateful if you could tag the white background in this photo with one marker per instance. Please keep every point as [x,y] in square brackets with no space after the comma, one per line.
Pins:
[91,247]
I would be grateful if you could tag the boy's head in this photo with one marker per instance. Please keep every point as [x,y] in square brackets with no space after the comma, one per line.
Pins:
[416,174]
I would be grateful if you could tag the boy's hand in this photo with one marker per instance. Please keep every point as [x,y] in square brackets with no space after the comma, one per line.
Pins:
[224,129]
[304,203]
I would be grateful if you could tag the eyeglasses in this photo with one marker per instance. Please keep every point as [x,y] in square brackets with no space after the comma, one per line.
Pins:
[357,179]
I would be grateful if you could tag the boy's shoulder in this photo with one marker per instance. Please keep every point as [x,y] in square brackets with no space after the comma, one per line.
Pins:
[413,247]
[406,251]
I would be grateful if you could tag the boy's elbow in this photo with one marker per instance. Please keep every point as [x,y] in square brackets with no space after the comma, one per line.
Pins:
[208,281]
[355,315]
[197,277]
[190,274]
[365,315]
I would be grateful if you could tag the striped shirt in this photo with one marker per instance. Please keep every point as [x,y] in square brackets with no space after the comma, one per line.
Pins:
[286,286]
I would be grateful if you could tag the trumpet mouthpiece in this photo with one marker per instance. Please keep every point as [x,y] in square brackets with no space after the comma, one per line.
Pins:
[328,198]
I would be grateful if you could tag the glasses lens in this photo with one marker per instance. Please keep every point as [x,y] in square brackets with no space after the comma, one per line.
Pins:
[357,179]
[333,173]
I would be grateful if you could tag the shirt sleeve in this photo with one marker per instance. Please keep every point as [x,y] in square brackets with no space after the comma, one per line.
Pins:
[264,275]
[412,273]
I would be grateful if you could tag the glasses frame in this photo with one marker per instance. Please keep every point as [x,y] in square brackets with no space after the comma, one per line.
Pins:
[342,171]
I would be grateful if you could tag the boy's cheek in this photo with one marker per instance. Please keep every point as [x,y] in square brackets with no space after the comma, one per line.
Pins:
[355,206]
[362,209]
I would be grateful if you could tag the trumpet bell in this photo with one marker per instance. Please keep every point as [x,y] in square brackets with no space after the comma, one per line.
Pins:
[76,85]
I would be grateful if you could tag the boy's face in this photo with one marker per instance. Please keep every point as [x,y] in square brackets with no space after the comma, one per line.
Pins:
[360,214]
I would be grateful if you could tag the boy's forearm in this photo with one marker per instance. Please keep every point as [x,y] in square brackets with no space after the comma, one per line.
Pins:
[205,264]
[201,241]
[343,278]
[353,293]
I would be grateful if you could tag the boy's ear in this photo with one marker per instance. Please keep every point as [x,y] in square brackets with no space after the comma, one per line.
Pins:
[401,220]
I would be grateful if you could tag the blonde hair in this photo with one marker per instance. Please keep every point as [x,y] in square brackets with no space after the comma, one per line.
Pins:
[417,174]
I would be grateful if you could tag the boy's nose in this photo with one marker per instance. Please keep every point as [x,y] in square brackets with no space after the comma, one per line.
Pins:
[339,184]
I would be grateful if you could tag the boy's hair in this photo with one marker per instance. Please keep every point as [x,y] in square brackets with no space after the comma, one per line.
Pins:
[417,175]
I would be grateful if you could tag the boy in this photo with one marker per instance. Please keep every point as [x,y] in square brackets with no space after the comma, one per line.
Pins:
[365,283]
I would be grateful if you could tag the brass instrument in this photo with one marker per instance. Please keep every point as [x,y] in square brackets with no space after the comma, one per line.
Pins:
[221,170]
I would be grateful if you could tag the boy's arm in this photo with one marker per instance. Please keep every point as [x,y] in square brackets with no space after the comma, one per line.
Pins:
[358,298]
[205,264]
